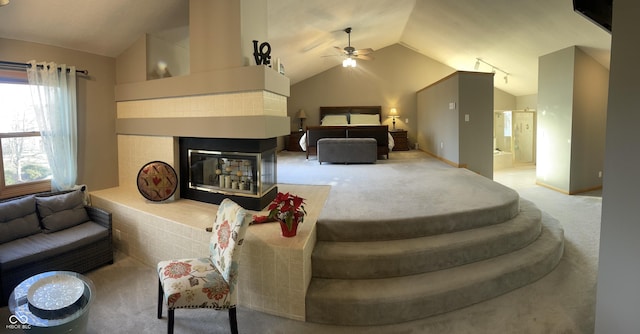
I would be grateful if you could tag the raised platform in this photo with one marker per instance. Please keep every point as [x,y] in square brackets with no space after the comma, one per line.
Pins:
[399,240]
[274,271]
[410,237]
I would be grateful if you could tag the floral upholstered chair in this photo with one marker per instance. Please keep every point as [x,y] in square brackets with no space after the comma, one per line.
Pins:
[208,282]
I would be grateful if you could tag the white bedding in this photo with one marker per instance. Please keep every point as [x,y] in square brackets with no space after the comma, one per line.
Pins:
[303,142]
[341,120]
[329,120]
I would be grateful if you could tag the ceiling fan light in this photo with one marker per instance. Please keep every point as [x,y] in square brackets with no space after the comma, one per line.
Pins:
[349,62]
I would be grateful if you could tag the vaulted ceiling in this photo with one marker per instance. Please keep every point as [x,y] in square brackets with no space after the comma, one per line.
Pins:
[508,34]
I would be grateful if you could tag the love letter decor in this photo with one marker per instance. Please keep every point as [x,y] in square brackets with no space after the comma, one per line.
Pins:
[262,54]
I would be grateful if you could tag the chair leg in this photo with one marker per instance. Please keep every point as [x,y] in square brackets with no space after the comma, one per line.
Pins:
[170,324]
[233,322]
[160,299]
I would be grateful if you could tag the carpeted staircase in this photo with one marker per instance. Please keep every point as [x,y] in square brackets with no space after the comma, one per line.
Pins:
[379,270]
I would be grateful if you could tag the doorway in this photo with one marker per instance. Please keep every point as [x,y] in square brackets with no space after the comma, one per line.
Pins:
[524,137]
[514,138]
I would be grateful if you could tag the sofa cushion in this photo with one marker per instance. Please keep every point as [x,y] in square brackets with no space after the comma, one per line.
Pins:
[41,246]
[18,219]
[61,211]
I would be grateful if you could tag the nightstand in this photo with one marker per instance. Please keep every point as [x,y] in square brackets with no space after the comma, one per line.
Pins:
[294,141]
[401,143]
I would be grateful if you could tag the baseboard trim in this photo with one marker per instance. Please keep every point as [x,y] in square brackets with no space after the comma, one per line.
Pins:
[448,162]
[574,192]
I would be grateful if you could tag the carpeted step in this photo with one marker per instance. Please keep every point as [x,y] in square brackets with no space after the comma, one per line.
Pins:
[401,299]
[377,229]
[379,259]
[428,205]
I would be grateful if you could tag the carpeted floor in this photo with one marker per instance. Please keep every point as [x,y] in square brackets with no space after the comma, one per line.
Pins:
[561,302]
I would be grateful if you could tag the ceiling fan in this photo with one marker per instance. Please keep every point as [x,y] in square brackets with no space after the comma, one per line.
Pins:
[352,54]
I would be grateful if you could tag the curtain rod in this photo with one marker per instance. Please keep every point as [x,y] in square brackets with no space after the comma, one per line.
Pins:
[10,65]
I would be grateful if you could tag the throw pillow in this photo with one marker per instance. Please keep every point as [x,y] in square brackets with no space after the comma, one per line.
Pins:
[18,219]
[62,211]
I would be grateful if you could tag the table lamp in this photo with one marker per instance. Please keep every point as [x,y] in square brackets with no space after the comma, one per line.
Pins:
[394,114]
[301,115]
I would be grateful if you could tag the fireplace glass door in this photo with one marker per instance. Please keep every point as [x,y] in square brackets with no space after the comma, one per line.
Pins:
[232,173]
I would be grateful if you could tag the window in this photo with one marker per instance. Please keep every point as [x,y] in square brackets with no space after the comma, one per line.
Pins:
[507,123]
[24,165]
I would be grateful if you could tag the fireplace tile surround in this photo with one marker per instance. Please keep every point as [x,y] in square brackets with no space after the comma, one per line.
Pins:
[274,271]
[250,103]
[247,102]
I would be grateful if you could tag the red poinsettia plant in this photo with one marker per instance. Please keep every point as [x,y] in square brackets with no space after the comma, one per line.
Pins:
[287,208]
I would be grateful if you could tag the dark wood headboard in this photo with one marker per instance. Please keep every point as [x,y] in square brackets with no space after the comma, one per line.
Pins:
[348,111]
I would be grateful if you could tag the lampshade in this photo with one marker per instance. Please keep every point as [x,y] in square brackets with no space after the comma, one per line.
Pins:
[301,114]
[393,113]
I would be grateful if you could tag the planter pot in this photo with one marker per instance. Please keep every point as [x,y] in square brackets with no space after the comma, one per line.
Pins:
[286,232]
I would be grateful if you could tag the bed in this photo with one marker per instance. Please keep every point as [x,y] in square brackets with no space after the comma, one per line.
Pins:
[348,122]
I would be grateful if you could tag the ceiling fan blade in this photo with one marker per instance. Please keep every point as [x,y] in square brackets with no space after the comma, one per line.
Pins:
[363,57]
[364,51]
[350,52]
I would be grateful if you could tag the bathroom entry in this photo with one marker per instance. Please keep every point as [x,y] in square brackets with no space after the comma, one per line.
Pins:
[524,137]
[514,138]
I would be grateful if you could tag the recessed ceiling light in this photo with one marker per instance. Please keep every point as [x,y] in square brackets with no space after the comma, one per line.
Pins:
[4,2]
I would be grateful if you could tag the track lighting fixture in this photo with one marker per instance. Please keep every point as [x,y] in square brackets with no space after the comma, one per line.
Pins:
[493,69]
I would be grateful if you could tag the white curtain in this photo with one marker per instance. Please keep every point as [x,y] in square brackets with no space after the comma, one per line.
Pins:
[53,90]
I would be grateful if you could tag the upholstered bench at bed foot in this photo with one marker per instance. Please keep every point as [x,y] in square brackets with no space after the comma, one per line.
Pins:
[347,150]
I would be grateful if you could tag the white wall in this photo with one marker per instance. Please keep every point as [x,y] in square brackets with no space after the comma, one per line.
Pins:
[555,103]
[618,296]
[572,99]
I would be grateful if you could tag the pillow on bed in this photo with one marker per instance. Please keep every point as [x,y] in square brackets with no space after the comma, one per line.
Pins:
[334,120]
[365,119]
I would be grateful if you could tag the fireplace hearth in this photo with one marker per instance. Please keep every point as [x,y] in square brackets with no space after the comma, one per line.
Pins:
[243,170]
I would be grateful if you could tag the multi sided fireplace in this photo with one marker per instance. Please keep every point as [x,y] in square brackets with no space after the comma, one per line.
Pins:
[243,170]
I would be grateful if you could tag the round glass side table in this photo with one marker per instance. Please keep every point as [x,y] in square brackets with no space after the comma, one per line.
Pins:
[52,302]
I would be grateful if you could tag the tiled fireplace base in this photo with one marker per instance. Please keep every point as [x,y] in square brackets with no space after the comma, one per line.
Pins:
[274,271]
